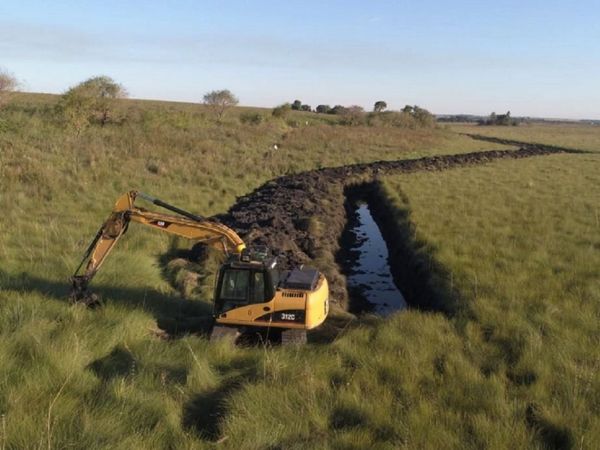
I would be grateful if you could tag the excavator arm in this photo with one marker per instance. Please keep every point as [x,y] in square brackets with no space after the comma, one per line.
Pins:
[183,224]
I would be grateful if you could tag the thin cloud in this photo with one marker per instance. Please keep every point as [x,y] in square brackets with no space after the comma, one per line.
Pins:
[62,44]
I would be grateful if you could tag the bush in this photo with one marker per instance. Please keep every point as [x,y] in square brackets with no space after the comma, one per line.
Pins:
[91,100]
[354,115]
[282,111]
[337,109]
[251,118]
[410,117]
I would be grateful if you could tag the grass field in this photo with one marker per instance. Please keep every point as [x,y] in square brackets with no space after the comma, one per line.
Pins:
[574,136]
[519,240]
[518,369]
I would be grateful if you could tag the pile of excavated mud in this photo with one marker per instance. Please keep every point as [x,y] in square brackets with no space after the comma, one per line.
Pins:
[281,213]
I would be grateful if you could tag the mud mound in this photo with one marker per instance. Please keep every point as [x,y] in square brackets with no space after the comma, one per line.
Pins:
[279,213]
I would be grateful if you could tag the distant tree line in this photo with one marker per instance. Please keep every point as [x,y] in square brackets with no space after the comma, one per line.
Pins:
[411,116]
[457,118]
[297,105]
[499,119]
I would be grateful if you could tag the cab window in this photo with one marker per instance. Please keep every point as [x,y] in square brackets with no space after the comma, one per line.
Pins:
[235,285]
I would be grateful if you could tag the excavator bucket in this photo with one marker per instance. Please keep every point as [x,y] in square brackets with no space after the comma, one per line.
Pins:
[81,294]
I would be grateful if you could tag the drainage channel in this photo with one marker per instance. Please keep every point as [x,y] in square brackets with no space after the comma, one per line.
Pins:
[365,261]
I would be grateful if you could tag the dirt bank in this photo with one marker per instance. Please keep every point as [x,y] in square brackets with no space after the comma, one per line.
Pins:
[303,215]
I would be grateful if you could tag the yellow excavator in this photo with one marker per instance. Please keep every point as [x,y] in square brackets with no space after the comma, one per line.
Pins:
[251,291]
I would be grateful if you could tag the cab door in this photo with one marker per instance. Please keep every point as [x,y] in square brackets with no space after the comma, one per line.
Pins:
[242,294]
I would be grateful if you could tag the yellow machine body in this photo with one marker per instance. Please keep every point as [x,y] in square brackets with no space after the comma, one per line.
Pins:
[288,308]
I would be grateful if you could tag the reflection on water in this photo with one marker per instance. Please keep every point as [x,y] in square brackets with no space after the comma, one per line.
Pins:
[369,275]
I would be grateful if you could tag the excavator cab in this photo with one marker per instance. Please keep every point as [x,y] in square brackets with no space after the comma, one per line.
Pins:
[246,279]
[244,283]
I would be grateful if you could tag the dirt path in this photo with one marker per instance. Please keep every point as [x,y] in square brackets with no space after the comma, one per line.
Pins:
[302,216]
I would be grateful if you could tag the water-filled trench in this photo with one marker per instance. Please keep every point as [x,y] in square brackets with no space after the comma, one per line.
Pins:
[364,258]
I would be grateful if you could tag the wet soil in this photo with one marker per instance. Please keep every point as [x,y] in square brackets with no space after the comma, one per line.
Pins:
[302,216]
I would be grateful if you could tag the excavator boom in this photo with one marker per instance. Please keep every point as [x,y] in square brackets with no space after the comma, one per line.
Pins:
[183,224]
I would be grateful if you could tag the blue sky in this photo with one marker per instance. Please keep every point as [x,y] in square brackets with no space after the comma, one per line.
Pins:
[539,58]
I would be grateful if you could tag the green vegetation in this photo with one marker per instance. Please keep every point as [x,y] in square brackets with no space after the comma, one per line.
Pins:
[575,136]
[503,120]
[519,243]
[379,106]
[518,368]
[90,101]
[282,111]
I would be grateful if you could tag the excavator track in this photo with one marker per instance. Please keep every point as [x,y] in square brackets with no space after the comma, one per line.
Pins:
[293,337]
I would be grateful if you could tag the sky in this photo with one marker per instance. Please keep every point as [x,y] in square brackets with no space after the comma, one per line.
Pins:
[534,58]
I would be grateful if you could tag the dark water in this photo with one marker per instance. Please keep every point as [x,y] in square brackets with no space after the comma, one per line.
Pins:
[368,274]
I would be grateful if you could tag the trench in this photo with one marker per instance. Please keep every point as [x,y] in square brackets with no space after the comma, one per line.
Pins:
[365,263]
[386,267]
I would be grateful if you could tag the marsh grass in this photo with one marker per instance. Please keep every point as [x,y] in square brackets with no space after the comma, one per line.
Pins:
[573,136]
[77,378]
[520,241]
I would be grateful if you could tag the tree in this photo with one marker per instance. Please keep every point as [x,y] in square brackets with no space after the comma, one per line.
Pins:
[220,101]
[379,106]
[306,108]
[92,99]
[337,109]
[297,105]
[323,109]
[8,83]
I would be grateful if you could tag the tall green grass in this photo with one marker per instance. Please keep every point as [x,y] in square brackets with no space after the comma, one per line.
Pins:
[520,241]
[574,136]
[76,378]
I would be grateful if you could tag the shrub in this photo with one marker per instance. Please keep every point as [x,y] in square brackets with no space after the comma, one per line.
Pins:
[282,111]
[90,100]
[251,118]
[337,109]
[354,115]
